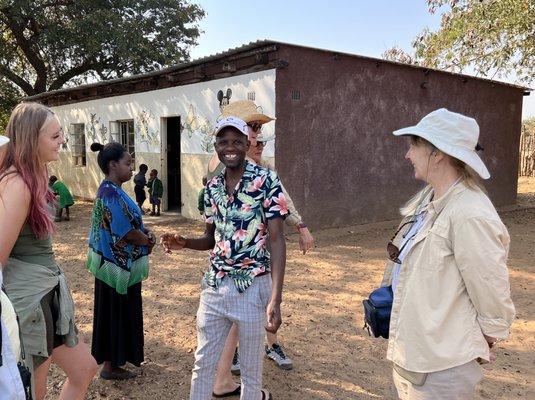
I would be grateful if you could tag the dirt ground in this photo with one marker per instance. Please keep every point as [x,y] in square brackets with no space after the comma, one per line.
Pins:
[334,357]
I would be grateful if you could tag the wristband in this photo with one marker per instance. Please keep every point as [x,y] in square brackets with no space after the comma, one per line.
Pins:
[301,225]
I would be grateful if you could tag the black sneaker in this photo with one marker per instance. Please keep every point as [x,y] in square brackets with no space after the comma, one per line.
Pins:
[235,368]
[276,354]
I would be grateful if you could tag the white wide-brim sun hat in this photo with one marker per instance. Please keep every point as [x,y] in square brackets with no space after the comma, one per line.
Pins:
[3,140]
[452,133]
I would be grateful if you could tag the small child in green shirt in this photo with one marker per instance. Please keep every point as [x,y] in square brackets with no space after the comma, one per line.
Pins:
[64,197]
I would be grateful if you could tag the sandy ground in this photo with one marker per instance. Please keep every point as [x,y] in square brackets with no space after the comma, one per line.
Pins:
[334,357]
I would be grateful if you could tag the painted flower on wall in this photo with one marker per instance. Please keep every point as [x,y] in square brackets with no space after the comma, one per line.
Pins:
[200,124]
[144,132]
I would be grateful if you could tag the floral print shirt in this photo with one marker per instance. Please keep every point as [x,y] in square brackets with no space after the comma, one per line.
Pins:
[240,222]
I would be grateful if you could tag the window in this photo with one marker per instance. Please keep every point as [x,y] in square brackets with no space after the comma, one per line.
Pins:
[251,96]
[78,144]
[126,136]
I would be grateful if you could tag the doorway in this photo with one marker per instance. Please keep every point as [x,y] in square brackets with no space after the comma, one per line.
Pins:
[174,195]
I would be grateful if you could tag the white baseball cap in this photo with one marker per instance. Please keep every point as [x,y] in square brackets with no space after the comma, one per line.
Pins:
[234,122]
[452,133]
[3,140]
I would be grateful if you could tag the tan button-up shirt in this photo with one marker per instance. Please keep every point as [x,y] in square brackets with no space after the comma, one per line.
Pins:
[453,285]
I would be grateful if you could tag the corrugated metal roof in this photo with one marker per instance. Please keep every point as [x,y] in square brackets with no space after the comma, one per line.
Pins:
[243,48]
[175,68]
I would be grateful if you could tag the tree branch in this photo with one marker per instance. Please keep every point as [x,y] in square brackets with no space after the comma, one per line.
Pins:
[16,79]
[17,30]
[86,66]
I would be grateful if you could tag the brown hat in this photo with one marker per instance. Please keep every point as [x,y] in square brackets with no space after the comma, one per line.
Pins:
[247,111]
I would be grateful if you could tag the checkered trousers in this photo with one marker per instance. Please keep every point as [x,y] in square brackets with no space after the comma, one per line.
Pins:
[218,309]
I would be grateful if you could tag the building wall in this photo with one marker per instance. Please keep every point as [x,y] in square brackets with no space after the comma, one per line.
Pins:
[196,104]
[335,151]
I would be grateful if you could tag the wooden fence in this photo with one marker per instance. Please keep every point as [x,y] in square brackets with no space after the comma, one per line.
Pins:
[526,164]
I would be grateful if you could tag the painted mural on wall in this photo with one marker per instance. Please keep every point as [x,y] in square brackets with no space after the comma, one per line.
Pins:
[96,131]
[198,130]
[147,137]
[198,106]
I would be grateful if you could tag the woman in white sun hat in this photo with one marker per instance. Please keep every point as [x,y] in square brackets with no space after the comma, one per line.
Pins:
[447,268]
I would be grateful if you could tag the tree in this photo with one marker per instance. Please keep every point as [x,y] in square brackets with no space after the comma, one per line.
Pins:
[494,37]
[47,44]
[9,97]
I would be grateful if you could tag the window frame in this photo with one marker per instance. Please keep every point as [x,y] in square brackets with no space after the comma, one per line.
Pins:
[78,144]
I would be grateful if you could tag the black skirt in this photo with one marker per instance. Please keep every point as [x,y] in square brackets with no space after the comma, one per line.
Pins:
[117,325]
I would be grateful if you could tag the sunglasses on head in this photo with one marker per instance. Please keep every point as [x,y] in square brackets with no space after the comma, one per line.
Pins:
[255,126]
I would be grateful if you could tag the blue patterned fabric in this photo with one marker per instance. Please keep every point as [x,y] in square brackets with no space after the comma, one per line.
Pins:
[110,258]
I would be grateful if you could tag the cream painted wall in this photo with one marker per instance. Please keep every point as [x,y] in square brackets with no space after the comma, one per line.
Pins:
[198,108]
[193,168]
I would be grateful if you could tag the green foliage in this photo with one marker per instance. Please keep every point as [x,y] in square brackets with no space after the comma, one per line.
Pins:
[495,37]
[46,44]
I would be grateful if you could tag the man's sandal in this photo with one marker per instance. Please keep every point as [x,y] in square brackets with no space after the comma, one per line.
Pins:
[235,392]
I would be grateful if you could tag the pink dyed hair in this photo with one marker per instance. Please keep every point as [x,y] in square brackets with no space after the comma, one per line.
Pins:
[22,153]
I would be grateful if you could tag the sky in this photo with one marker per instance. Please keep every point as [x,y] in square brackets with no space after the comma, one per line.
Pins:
[361,27]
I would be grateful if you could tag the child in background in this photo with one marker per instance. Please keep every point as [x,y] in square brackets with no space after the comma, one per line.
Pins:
[64,197]
[200,201]
[139,186]
[155,192]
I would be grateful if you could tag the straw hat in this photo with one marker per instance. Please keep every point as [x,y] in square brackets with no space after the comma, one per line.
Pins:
[246,110]
[452,133]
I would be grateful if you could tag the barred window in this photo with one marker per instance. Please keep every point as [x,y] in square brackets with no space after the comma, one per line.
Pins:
[126,136]
[77,132]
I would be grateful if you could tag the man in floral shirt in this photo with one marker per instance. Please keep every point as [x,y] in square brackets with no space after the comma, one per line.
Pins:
[244,281]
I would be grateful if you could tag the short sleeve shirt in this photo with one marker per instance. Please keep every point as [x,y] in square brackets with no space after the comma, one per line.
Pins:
[240,222]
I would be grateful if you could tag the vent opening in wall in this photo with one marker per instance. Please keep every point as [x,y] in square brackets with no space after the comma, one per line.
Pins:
[251,96]
[296,95]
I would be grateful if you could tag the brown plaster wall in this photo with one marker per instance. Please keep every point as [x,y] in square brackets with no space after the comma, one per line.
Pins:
[335,152]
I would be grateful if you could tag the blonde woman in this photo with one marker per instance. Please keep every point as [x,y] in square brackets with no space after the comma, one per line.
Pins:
[33,280]
[447,266]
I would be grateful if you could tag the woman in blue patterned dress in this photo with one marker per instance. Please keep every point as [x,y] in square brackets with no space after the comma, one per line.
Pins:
[119,246]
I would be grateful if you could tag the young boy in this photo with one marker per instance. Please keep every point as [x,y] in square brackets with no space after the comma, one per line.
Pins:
[155,192]
[139,186]
[200,201]
[64,196]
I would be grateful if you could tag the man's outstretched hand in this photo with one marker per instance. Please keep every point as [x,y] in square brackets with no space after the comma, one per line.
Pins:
[172,241]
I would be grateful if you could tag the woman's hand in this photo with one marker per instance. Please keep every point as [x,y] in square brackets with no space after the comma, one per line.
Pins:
[306,240]
[172,241]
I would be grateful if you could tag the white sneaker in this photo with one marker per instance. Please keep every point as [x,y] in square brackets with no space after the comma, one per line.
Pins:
[276,354]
